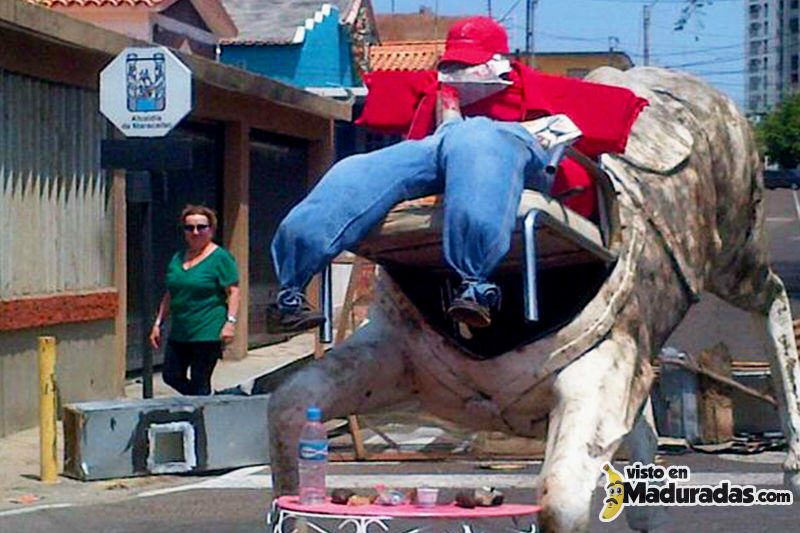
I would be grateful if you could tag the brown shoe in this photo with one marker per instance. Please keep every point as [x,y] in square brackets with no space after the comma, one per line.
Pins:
[303,319]
[470,313]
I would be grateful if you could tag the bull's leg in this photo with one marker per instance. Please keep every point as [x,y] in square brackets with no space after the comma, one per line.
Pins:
[766,297]
[785,370]
[643,443]
[365,373]
[594,410]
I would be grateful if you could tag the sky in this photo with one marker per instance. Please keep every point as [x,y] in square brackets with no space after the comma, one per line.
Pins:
[711,45]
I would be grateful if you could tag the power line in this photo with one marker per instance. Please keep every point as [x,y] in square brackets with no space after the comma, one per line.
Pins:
[508,11]
[727,59]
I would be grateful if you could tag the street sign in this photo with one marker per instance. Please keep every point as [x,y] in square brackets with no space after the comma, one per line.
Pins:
[145,92]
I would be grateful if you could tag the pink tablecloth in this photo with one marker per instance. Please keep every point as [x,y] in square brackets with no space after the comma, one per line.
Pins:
[291,503]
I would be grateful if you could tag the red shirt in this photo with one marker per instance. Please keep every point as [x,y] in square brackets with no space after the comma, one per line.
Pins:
[405,103]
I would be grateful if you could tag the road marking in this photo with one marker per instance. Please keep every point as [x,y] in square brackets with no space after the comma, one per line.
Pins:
[263,480]
[771,458]
[35,508]
[796,204]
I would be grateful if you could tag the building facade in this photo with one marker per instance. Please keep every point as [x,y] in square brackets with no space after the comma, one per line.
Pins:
[193,26]
[307,43]
[71,232]
[772,36]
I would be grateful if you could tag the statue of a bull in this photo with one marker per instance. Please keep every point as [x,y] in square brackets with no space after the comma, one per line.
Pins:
[690,219]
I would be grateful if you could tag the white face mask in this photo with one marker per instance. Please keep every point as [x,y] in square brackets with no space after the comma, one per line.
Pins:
[476,82]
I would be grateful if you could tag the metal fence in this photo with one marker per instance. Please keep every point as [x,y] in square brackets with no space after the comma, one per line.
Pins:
[56,217]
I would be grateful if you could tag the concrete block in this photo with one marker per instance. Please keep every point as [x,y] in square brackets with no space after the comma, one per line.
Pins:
[164,435]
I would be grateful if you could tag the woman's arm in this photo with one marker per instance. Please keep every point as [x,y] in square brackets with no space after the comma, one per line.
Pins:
[229,328]
[163,311]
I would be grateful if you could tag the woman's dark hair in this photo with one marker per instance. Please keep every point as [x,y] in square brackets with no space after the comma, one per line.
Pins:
[207,212]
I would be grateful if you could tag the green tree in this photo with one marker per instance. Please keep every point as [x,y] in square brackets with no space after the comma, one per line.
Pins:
[779,133]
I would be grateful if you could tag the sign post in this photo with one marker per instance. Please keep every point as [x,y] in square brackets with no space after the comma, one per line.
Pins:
[145,92]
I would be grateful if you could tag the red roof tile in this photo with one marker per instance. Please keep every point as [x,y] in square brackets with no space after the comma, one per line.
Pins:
[412,55]
[96,3]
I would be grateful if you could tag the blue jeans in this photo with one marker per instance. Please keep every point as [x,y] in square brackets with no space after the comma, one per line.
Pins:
[481,166]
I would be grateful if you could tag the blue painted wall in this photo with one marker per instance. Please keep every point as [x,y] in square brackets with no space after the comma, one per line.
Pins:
[323,59]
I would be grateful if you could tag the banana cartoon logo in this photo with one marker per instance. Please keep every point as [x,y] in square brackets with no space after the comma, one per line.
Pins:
[616,495]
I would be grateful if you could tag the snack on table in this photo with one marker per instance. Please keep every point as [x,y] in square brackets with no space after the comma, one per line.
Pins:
[465,499]
[356,500]
[482,497]
[387,496]
[341,496]
[488,497]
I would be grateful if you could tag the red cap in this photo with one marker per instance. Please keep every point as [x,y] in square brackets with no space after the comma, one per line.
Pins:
[475,40]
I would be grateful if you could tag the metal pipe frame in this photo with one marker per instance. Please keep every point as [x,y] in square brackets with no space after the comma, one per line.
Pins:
[326,301]
[529,280]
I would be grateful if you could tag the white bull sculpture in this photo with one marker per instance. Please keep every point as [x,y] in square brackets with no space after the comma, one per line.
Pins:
[690,215]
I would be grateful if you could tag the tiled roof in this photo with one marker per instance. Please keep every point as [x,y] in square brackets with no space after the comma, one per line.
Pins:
[279,21]
[96,3]
[411,55]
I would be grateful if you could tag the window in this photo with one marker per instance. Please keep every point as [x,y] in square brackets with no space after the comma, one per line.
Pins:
[793,25]
[794,62]
[793,4]
[755,48]
[755,83]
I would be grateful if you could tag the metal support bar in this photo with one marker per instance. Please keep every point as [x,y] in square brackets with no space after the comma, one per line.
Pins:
[326,301]
[529,280]
[555,159]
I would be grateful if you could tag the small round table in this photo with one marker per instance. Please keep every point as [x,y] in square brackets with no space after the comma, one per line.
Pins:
[288,515]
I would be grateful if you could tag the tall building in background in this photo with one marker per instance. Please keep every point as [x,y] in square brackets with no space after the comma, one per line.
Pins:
[771,52]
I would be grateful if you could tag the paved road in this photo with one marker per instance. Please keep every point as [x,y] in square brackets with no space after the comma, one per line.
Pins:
[783,231]
[236,502]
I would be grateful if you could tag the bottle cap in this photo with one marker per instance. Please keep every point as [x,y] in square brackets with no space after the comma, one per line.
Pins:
[314,414]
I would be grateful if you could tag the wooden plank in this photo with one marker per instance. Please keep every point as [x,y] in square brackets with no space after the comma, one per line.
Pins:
[715,402]
[120,280]
[60,308]
[214,103]
[236,220]
[358,438]
[725,380]
[341,333]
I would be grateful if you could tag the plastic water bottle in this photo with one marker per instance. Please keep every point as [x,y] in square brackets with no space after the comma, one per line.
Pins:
[313,457]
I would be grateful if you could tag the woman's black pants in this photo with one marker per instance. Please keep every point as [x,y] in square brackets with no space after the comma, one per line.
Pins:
[200,357]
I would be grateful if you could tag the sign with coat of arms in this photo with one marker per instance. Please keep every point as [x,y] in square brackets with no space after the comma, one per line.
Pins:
[145,92]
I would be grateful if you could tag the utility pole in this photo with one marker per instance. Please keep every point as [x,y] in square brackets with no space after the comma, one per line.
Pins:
[489,7]
[646,27]
[530,17]
[392,7]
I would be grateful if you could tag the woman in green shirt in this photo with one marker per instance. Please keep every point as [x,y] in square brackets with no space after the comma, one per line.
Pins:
[203,298]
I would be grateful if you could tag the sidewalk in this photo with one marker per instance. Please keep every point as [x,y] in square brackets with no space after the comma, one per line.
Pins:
[20,487]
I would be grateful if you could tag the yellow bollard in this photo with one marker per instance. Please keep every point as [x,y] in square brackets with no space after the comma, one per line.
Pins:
[47,410]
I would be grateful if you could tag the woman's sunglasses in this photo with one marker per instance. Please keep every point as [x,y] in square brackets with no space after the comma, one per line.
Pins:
[201,228]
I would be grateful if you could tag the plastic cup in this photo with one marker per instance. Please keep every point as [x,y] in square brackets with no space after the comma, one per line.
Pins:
[427,497]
